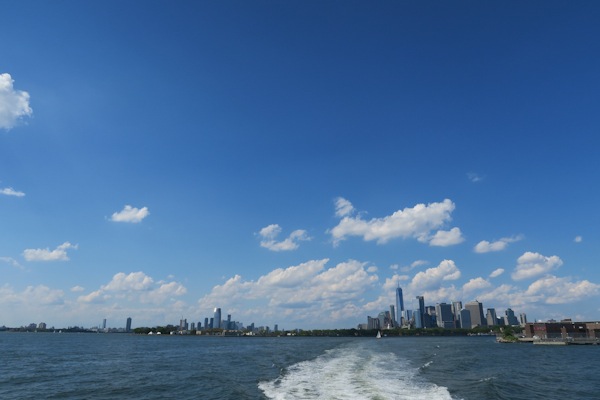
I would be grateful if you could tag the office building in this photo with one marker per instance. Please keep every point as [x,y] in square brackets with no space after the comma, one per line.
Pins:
[510,318]
[399,305]
[523,319]
[444,316]
[456,307]
[128,325]
[476,310]
[217,318]
[419,323]
[465,319]
[491,317]
[393,314]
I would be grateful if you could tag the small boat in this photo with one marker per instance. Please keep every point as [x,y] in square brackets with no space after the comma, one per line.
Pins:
[378,335]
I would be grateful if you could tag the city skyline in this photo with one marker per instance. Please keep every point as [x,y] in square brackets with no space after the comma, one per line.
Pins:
[295,163]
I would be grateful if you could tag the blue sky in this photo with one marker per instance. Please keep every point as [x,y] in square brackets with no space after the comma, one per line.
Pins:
[292,162]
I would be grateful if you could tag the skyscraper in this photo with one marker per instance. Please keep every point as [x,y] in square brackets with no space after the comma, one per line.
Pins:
[456,307]
[476,310]
[128,325]
[217,318]
[491,317]
[444,316]
[393,314]
[523,319]
[419,322]
[465,319]
[510,318]
[399,305]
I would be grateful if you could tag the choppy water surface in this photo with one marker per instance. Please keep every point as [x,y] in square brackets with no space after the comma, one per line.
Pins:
[113,366]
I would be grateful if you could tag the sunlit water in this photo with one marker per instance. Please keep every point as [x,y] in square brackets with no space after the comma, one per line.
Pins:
[114,366]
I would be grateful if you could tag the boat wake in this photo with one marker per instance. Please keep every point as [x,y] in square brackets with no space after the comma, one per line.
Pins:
[358,372]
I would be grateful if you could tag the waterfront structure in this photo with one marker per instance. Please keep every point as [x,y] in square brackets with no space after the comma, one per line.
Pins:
[128,325]
[399,305]
[444,316]
[491,317]
[393,315]
[476,310]
[104,324]
[217,318]
[564,330]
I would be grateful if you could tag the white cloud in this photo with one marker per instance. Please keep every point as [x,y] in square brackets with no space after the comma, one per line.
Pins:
[130,214]
[532,264]
[14,104]
[269,234]
[11,261]
[432,278]
[417,222]
[343,207]
[11,192]
[578,239]
[446,238]
[497,272]
[556,290]
[77,289]
[132,281]
[135,287]
[307,292]
[413,265]
[485,247]
[58,254]
[476,284]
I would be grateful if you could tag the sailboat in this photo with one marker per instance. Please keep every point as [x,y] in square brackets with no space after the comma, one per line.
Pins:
[378,335]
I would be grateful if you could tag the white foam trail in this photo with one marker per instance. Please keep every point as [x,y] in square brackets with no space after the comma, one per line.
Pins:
[353,373]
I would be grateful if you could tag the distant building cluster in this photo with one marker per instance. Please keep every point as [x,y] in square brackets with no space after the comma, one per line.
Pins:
[443,315]
[217,322]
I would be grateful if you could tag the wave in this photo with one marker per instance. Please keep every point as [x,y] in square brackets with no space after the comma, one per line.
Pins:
[358,372]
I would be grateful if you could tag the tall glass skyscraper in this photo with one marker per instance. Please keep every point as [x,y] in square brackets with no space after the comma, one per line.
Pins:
[217,318]
[399,305]
[420,323]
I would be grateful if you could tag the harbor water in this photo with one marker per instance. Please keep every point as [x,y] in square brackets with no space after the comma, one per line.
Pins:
[122,366]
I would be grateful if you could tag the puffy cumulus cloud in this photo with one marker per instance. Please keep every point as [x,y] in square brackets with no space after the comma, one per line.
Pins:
[531,264]
[485,247]
[14,104]
[343,207]
[58,254]
[554,290]
[476,284]
[307,292]
[77,289]
[164,292]
[497,272]
[391,284]
[432,278]
[135,287]
[417,222]
[578,239]
[447,238]
[132,281]
[11,192]
[269,234]
[130,214]
[31,297]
